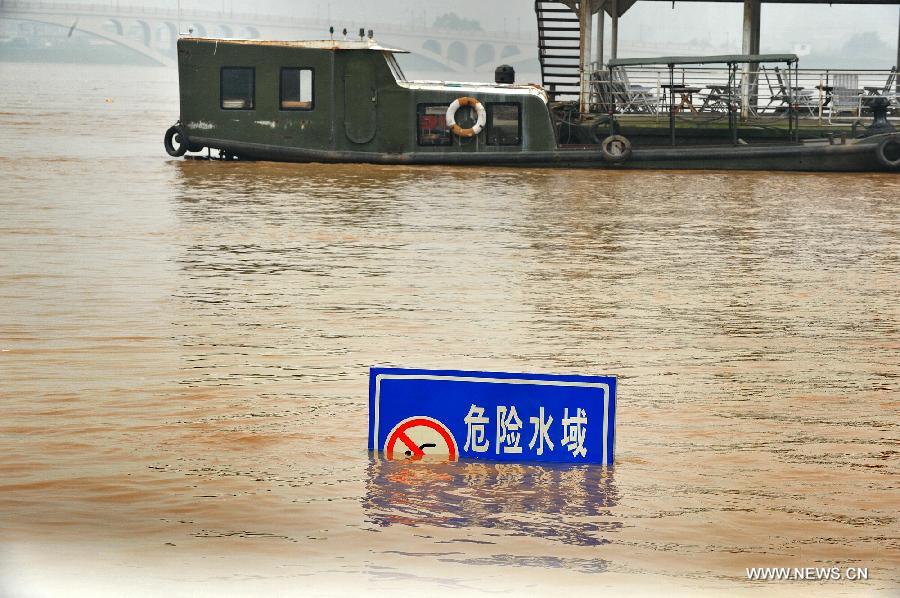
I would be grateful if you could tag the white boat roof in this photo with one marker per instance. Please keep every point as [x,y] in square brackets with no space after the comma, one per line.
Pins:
[466,87]
[315,44]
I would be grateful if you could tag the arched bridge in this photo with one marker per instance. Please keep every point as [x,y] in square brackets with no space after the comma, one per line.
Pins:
[152,32]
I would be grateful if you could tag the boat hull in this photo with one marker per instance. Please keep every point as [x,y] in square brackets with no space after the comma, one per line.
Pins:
[861,155]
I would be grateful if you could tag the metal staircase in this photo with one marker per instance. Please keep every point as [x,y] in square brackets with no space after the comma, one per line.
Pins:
[558,49]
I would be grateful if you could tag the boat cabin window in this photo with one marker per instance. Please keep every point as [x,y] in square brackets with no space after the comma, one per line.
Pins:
[504,124]
[432,126]
[395,67]
[238,88]
[296,89]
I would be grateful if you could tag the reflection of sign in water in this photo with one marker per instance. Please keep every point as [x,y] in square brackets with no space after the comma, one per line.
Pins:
[572,504]
[494,415]
[417,437]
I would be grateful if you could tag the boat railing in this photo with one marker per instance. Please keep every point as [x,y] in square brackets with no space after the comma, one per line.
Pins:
[709,93]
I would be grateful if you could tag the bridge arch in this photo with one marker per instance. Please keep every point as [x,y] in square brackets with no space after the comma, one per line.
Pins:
[223,31]
[196,30]
[146,33]
[484,54]
[458,53]
[167,36]
[154,33]
[432,45]
[100,28]
[508,51]
[248,32]
[112,25]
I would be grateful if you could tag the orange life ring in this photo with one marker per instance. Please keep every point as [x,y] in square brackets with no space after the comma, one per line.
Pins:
[477,128]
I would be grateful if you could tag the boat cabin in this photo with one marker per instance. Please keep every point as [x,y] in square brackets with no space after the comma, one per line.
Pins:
[270,98]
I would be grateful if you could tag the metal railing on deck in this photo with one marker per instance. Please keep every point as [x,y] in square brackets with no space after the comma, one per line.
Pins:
[707,93]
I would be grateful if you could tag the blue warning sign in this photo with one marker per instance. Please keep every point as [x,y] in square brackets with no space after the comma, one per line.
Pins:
[497,416]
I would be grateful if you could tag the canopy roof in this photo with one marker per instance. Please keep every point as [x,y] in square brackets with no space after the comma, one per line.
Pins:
[621,6]
[799,1]
[717,59]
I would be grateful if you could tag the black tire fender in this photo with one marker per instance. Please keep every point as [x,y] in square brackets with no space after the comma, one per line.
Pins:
[175,135]
[615,148]
[888,153]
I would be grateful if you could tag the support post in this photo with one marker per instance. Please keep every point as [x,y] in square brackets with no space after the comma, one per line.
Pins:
[585,18]
[755,27]
[897,64]
[672,103]
[750,45]
[614,33]
[601,25]
[732,75]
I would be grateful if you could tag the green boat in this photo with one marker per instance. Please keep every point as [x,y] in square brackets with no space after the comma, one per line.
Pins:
[349,101]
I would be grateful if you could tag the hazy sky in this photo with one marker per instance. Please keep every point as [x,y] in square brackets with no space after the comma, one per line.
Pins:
[824,27]
[783,25]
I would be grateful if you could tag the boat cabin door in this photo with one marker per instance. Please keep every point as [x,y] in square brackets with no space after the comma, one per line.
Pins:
[360,100]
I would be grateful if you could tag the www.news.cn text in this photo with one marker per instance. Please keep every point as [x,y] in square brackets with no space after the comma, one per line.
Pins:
[807,573]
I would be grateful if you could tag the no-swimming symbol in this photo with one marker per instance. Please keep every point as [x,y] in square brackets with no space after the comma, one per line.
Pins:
[420,436]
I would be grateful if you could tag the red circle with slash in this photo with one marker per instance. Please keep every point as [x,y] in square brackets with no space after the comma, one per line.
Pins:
[418,437]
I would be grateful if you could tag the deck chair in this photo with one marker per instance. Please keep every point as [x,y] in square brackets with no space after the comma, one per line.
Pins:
[630,98]
[718,99]
[806,101]
[778,93]
[891,90]
[888,88]
[845,96]
[603,96]
[782,95]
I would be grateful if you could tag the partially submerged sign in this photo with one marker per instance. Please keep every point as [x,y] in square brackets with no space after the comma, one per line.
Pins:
[497,416]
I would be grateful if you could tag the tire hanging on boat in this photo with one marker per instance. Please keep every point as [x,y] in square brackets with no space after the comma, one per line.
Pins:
[175,135]
[888,153]
[615,148]
[477,128]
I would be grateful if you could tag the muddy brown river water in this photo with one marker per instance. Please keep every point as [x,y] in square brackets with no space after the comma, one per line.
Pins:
[184,349]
